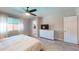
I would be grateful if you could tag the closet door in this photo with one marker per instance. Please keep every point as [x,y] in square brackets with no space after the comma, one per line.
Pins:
[70,29]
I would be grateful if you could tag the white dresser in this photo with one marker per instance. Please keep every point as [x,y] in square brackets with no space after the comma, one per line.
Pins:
[49,34]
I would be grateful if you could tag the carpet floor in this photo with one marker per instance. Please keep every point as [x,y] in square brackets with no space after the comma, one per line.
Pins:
[56,45]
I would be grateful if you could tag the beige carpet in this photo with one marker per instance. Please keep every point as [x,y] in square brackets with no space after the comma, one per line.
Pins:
[59,45]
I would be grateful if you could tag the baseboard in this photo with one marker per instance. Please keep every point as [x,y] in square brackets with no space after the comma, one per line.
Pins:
[47,38]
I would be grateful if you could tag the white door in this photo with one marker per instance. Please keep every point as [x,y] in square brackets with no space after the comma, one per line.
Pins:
[70,29]
[35,28]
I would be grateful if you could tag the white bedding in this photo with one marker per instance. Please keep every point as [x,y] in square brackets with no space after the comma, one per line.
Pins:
[21,43]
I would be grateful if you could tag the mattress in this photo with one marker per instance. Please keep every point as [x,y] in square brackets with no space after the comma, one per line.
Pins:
[21,43]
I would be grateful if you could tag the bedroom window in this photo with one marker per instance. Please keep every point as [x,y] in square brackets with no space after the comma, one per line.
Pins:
[14,24]
[10,24]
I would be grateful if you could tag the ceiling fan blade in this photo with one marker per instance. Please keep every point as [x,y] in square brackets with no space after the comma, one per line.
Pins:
[33,10]
[33,14]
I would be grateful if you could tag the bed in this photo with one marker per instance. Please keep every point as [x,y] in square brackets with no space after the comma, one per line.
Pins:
[21,43]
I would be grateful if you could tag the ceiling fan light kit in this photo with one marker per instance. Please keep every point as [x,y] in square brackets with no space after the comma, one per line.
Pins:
[27,14]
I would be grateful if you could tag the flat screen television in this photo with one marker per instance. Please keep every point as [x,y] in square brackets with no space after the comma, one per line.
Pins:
[45,26]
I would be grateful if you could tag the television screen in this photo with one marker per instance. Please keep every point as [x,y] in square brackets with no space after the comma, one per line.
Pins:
[44,26]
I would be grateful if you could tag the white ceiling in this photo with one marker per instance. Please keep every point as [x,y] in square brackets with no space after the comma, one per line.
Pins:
[42,11]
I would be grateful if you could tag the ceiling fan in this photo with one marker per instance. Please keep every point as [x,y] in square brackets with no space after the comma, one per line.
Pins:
[30,12]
